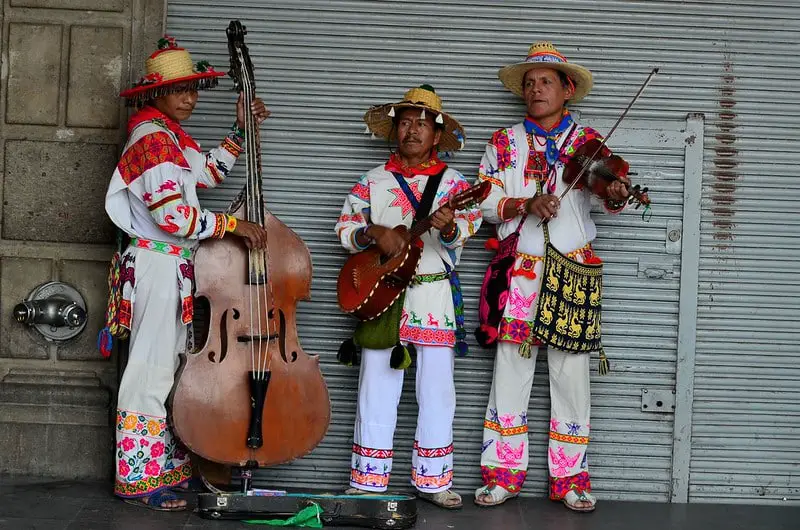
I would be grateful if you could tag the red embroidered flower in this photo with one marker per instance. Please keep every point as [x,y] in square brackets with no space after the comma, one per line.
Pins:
[127,444]
[144,443]
[157,450]
[124,468]
[152,468]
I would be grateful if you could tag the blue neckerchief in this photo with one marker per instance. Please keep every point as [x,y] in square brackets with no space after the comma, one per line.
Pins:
[551,150]
[407,190]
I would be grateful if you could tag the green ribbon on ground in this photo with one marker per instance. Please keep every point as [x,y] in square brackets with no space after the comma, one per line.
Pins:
[308,517]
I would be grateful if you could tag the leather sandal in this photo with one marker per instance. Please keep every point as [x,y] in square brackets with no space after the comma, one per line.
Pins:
[447,499]
[496,494]
[155,501]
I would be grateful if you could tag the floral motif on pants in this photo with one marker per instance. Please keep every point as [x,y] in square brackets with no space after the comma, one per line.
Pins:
[148,456]
[559,486]
[509,479]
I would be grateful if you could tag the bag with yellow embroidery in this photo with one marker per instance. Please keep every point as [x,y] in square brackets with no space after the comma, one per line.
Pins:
[569,307]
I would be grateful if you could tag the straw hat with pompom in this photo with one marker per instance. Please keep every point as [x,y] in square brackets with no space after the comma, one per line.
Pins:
[544,55]
[170,69]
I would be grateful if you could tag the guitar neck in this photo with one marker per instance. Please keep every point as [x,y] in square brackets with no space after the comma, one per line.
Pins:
[422,226]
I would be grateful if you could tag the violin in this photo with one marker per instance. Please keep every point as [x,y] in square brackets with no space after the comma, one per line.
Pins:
[594,166]
[250,396]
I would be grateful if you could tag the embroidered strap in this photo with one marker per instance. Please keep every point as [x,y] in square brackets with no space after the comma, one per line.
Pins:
[430,278]
[162,248]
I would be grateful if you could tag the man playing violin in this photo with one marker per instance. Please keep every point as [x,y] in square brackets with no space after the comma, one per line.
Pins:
[429,316]
[525,164]
[152,197]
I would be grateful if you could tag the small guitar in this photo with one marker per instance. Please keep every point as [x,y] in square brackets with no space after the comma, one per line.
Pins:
[370,282]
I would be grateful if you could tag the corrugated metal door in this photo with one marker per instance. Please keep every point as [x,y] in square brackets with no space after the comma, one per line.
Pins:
[320,64]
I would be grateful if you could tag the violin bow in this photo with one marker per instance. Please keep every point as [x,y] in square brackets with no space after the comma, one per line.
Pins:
[577,179]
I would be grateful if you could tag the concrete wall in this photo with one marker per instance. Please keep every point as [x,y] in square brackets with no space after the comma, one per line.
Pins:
[62,65]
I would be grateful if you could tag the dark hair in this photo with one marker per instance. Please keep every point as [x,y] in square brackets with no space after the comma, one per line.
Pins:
[564,78]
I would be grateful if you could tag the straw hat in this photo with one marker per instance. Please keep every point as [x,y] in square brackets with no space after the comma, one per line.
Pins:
[167,67]
[380,118]
[544,55]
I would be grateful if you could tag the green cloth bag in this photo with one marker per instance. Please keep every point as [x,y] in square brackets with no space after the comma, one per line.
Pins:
[381,332]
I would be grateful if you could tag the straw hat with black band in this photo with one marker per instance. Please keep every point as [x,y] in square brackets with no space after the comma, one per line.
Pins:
[170,69]
[380,118]
[544,55]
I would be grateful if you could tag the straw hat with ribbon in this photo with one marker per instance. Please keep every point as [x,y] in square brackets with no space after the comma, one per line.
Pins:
[170,68]
[380,118]
[544,55]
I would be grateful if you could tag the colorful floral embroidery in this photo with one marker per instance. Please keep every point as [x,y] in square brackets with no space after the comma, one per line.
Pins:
[515,330]
[148,152]
[429,336]
[495,181]
[559,486]
[509,479]
[148,458]
[506,149]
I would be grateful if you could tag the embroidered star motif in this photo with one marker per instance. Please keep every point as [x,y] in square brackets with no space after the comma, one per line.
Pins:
[401,201]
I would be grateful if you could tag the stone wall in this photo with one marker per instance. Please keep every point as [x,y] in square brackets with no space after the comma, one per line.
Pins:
[62,65]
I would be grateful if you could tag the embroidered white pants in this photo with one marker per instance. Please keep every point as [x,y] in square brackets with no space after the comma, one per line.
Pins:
[148,457]
[379,389]
[504,458]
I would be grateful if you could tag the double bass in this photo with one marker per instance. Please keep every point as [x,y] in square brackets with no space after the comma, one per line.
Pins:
[250,396]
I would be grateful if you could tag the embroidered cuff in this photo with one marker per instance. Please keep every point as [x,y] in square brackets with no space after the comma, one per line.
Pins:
[234,142]
[219,225]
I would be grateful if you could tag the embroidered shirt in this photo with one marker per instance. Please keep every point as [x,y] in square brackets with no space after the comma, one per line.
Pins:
[153,191]
[504,164]
[428,315]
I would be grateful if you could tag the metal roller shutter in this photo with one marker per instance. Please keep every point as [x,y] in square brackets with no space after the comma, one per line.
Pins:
[321,64]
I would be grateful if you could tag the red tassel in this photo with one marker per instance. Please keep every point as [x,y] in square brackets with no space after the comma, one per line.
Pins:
[593,260]
[492,244]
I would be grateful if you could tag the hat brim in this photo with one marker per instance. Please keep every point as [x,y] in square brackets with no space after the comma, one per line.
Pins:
[381,124]
[513,74]
[141,92]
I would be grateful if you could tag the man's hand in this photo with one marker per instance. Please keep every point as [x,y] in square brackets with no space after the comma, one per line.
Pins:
[254,235]
[618,190]
[544,206]
[257,108]
[443,219]
[388,241]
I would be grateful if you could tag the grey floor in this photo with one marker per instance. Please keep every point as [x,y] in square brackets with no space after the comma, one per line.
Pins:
[43,505]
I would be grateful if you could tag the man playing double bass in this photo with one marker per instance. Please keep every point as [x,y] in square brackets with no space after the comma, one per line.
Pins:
[430,315]
[152,197]
[525,163]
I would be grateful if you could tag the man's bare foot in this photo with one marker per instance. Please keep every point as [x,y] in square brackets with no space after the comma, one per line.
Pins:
[162,501]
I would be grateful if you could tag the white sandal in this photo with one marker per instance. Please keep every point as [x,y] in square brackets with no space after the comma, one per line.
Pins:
[497,495]
[575,496]
[442,499]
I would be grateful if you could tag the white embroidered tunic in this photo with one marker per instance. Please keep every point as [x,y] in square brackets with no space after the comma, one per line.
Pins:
[571,231]
[428,315]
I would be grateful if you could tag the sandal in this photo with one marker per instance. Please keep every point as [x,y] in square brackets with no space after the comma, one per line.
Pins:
[575,496]
[156,501]
[447,499]
[356,491]
[496,494]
